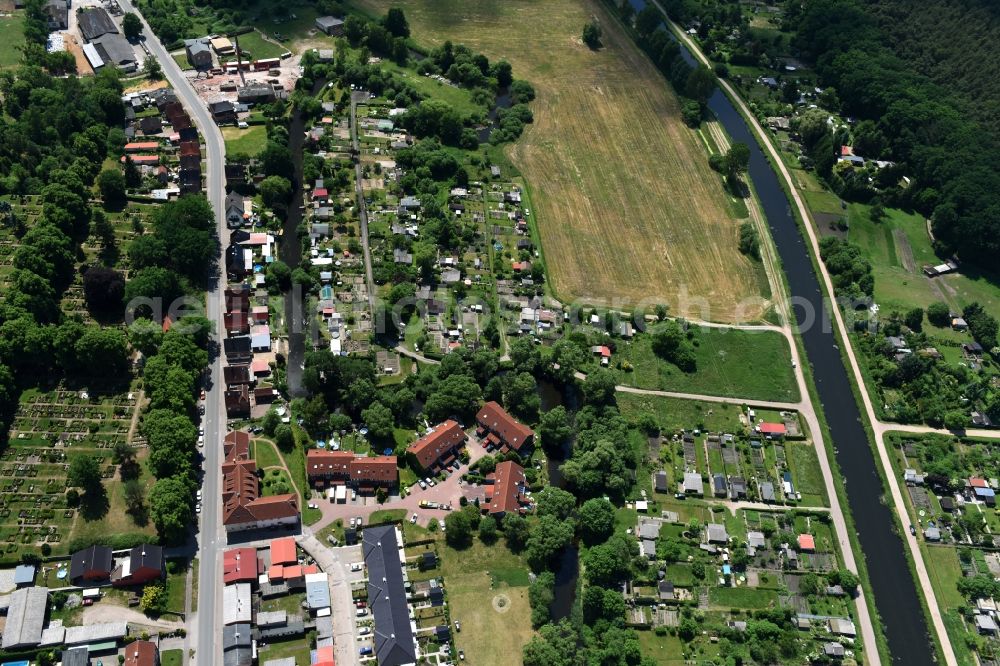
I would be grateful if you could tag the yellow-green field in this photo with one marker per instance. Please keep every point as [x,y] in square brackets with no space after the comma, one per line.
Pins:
[486,608]
[626,204]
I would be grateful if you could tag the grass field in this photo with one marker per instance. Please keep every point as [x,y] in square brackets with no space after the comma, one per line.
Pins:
[742,597]
[480,597]
[945,572]
[754,365]
[250,141]
[12,29]
[172,658]
[626,204]
[674,414]
[806,473]
[254,46]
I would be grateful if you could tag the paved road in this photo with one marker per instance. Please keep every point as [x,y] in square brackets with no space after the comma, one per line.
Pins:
[357,96]
[203,632]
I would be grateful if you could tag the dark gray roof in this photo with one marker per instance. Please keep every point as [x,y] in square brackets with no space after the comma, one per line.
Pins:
[236,636]
[94,23]
[387,597]
[77,656]
[95,558]
[116,49]
[237,657]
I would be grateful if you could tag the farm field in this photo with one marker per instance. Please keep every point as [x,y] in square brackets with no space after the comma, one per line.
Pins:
[626,204]
[753,365]
[485,603]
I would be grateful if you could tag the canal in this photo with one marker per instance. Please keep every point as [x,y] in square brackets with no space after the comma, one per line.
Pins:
[883,550]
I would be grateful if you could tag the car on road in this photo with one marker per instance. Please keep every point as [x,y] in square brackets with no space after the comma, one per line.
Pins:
[413,519]
[201,440]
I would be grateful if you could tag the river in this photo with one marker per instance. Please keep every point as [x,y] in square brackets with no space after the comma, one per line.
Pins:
[883,550]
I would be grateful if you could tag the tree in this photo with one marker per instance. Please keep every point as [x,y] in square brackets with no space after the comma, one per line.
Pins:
[458,529]
[914,319]
[737,160]
[541,594]
[515,531]
[599,387]
[151,67]
[648,20]
[488,529]
[84,472]
[749,240]
[102,351]
[133,178]
[597,520]
[276,160]
[846,579]
[111,183]
[284,437]
[135,497]
[554,428]
[700,84]
[521,396]
[555,645]
[103,289]
[275,192]
[939,314]
[671,344]
[556,502]
[608,563]
[379,420]
[278,273]
[154,599]
[457,394]
[592,34]
[503,73]
[548,538]
[131,26]
[170,509]
[395,22]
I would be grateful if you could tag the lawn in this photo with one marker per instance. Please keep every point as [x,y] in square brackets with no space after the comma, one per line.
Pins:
[290,603]
[249,141]
[626,204]
[806,474]
[12,29]
[172,658]
[176,587]
[481,598]
[675,414]
[945,572]
[266,454]
[386,516]
[750,365]
[255,47]
[297,648]
[742,597]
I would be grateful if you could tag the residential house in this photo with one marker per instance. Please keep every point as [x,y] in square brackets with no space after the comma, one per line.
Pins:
[151,125]
[505,488]
[199,53]
[719,488]
[502,431]
[143,564]
[223,112]
[339,467]
[237,401]
[90,565]
[237,349]
[242,506]
[235,375]
[235,215]
[239,565]
[394,643]
[439,447]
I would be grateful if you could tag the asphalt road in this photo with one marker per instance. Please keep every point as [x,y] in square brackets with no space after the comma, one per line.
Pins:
[211,538]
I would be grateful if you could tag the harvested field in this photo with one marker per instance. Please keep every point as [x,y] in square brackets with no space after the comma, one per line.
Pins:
[626,204]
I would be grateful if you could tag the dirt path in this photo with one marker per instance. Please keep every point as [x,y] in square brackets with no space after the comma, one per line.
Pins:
[135,416]
[108,612]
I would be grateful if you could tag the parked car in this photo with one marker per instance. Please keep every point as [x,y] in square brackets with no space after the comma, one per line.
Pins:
[365,651]
[361,612]
[423,486]
[413,519]
[364,631]
[88,602]
[356,566]
[201,440]
[361,604]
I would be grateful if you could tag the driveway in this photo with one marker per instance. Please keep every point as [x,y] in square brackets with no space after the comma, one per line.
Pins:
[444,492]
[336,562]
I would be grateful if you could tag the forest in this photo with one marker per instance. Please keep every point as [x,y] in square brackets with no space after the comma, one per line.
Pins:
[927,129]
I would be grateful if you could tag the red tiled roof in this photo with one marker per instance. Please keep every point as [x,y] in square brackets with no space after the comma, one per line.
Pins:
[510,431]
[324,463]
[772,428]
[140,653]
[141,145]
[379,470]
[241,502]
[508,481]
[807,542]
[236,446]
[975,482]
[283,551]
[320,193]
[276,572]
[239,565]
[144,159]
[293,572]
[260,366]
[310,569]
[431,447]
[324,656]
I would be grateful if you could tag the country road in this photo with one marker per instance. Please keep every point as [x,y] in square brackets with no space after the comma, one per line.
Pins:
[204,631]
